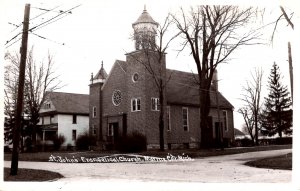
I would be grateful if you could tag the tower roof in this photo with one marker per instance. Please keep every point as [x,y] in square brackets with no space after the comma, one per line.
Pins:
[145,18]
[102,75]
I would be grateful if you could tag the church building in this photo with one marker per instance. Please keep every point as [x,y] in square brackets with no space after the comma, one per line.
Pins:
[127,99]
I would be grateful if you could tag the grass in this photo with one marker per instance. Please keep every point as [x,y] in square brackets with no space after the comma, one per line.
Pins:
[194,153]
[283,162]
[25,174]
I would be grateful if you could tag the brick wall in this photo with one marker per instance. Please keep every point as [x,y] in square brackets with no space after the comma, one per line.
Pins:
[177,135]
[146,120]
[94,101]
[230,132]
[115,81]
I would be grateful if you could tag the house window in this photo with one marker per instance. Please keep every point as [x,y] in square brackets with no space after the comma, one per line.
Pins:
[43,122]
[73,135]
[110,130]
[155,104]
[51,119]
[94,112]
[169,118]
[225,120]
[47,105]
[74,119]
[136,104]
[185,118]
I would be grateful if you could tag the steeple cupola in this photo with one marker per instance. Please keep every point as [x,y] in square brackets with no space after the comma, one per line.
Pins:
[144,31]
[100,76]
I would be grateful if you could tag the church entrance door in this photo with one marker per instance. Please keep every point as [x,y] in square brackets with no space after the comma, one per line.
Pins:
[114,132]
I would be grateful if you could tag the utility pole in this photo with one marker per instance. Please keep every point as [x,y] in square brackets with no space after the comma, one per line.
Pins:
[17,127]
[290,67]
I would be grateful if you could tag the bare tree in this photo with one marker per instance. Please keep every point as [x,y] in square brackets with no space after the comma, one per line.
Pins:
[39,78]
[154,63]
[252,104]
[212,34]
[288,18]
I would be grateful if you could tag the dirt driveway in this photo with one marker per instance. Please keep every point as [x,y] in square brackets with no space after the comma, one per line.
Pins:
[220,169]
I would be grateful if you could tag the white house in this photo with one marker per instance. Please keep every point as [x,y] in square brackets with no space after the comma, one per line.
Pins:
[64,114]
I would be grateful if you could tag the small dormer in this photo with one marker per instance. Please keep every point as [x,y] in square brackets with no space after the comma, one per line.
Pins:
[144,31]
[100,77]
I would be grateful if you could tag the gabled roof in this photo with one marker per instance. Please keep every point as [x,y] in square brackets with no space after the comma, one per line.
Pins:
[69,103]
[118,63]
[238,132]
[182,89]
[145,18]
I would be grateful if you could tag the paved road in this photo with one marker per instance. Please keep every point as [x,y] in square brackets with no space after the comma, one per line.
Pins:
[220,169]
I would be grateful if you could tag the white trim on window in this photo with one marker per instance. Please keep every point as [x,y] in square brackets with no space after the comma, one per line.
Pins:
[52,119]
[155,106]
[185,118]
[135,104]
[74,119]
[94,112]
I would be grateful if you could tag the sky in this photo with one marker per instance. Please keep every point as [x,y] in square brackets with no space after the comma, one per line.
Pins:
[99,31]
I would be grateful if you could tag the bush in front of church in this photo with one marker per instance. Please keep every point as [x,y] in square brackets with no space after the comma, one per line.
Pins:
[134,142]
[84,141]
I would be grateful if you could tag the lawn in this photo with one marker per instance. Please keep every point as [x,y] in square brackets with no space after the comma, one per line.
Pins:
[280,162]
[31,175]
[193,153]
[283,162]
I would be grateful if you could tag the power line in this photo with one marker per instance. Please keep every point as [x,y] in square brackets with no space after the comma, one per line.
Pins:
[46,11]
[13,43]
[40,25]
[42,37]
[49,23]
[13,38]
[43,24]
[43,9]
[17,26]
[13,24]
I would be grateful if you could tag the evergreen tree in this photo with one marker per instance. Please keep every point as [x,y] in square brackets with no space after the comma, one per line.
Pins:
[277,115]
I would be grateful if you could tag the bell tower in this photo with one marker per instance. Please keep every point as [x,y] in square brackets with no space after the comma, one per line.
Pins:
[144,31]
[95,103]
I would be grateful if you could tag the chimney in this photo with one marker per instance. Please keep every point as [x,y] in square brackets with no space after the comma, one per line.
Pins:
[215,80]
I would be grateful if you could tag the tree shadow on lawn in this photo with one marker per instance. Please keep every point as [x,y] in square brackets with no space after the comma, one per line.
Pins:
[283,162]
[33,175]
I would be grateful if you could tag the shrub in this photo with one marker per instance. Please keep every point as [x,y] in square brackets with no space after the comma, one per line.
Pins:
[83,142]
[246,142]
[134,142]
[283,140]
[28,145]
[58,141]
